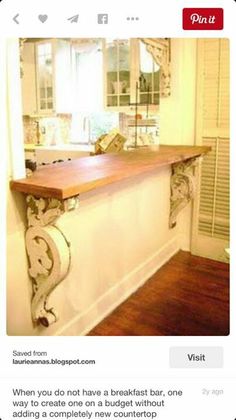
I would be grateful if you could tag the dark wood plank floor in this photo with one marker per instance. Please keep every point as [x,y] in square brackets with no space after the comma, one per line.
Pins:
[188,296]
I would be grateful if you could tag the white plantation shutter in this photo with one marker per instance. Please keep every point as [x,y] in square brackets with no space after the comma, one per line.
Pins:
[211,213]
[214,190]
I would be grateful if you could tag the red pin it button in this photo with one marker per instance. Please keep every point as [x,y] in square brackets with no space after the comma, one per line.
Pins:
[195,19]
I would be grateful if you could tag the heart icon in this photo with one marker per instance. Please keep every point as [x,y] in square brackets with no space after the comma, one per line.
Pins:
[42,18]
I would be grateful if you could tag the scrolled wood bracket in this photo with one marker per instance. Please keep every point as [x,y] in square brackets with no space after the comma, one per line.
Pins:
[48,252]
[182,187]
[160,49]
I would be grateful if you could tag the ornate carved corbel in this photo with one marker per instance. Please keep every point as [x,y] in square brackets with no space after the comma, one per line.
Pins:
[48,252]
[182,187]
[159,48]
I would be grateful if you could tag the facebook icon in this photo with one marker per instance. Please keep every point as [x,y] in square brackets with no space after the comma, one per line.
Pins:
[103,18]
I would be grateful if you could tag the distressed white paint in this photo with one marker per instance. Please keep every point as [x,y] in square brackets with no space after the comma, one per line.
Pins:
[183,187]
[49,262]
[48,252]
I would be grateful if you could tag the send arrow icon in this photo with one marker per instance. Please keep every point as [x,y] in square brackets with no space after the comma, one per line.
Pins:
[74,19]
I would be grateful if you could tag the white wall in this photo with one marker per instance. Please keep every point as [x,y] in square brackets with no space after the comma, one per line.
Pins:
[177,113]
[18,284]
[119,234]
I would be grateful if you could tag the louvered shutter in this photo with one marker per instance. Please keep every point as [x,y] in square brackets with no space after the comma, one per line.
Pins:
[211,213]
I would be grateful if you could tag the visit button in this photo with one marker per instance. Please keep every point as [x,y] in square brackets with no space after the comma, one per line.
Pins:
[196,357]
[198,18]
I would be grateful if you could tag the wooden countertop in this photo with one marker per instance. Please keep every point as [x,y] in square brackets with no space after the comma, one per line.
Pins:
[67,179]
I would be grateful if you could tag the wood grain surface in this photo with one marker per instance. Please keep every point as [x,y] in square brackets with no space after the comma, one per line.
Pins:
[67,179]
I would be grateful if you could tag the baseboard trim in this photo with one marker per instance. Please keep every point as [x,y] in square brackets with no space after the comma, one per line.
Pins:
[120,292]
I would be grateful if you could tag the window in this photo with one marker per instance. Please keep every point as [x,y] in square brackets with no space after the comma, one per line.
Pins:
[89,120]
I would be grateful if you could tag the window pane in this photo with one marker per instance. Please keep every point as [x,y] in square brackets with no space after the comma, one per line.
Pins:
[124,100]
[156,80]
[112,101]
[146,60]
[156,99]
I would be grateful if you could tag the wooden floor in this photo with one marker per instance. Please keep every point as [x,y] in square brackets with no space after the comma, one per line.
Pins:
[188,296]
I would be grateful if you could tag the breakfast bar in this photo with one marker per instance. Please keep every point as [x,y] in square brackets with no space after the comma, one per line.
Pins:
[119,191]
[65,180]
